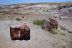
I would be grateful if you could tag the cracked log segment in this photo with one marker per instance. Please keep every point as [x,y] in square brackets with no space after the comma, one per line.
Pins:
[49,24]
[20,33]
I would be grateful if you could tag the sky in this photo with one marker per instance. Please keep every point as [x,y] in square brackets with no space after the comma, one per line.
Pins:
[5,2]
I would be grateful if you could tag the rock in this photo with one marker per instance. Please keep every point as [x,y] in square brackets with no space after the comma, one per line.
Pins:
[48,25]
[53,23]
[20,33]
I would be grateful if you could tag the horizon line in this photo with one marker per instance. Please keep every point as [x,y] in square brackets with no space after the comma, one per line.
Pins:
[34,3]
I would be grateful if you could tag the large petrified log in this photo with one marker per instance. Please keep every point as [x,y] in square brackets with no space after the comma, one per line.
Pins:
[53,23]
[14,31]
[25,32]
[20,33]
[46,25]
[49,24]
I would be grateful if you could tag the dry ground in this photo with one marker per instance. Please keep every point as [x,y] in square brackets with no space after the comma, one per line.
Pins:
[39,38]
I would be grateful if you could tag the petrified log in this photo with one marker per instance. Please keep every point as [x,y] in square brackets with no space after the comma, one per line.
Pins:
[14,33]
[25,32]
[46,25]
[53,23]
[20,33]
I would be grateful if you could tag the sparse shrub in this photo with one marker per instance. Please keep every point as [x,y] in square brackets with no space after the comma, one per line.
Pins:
[53,31]
[38,22]
[63,46]
[63,28]
[22,16]
[70,32]
[18,19]
[62,34]
[45,10]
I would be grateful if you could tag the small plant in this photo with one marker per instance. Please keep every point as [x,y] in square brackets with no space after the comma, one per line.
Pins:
[63,28]
[63,46]
[70,32]
[38,22]
[22,16]
[53,31]
[18,19]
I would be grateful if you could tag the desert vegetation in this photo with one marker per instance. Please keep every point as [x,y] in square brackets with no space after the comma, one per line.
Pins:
[18,19]
[38,22]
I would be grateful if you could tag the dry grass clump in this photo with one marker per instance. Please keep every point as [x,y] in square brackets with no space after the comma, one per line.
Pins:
[38,22]
[18,19]
[63,28]
[54,31]
[70,32]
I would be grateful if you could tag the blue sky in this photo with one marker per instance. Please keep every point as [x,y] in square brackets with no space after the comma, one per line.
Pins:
[4,2]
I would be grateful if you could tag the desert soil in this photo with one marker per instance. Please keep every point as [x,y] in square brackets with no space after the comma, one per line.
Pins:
[39,38]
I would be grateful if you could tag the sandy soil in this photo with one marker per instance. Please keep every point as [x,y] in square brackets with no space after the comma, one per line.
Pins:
[39,38]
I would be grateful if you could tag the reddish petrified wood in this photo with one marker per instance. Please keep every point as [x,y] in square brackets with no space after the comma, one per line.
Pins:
[53,23]
[20,33]
[48,25]
[14,33]
[25,32]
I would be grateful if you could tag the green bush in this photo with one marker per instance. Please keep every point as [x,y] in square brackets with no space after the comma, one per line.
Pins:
[18,19]
[38,22]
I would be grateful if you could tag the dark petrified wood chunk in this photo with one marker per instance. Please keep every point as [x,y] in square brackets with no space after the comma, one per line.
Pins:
[20,33]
